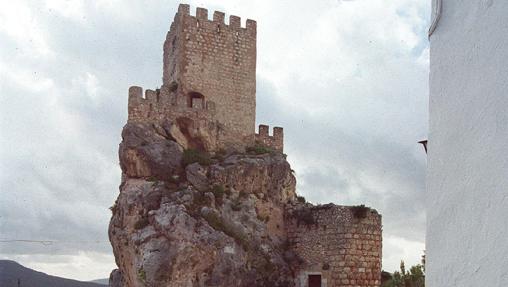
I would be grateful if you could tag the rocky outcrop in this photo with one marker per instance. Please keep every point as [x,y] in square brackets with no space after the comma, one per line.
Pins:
[217,221]
[188,218]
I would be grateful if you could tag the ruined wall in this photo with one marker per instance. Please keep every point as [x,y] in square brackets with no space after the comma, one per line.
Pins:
[217,62]
[275,141]
[333,242]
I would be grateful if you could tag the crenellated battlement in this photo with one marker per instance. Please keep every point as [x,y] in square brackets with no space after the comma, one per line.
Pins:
[209,80]
[218,18]
[156,105]
[276,141]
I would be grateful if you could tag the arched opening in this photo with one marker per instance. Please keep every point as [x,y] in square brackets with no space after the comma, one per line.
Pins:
[196,100]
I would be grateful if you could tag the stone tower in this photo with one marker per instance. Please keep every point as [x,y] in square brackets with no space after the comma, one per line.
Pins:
[209,83]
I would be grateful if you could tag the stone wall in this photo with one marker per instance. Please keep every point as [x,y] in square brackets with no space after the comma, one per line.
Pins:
[275,142]
[209,78]
[336,243]
[217,62]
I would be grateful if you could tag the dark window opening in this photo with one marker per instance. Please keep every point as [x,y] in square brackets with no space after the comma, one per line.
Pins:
[196,100]
[314,280]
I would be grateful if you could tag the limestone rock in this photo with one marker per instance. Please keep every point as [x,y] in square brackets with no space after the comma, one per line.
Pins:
[196,175]
[235,221]
[145,153]
[115,278]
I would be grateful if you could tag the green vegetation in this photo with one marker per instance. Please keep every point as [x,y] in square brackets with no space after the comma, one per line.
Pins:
[173,86]
[114,207]
[301,199]
[193,155]
[218,191]
[258,149]
[414,278]
[360,211]
[142,274]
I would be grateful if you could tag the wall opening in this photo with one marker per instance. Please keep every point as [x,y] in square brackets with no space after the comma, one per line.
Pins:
[314,280]
[196,100]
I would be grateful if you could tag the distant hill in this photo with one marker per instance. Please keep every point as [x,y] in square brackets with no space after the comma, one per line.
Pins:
[104,281]
[11,271]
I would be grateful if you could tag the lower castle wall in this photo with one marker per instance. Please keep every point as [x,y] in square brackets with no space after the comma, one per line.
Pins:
[332,242]
[158,106]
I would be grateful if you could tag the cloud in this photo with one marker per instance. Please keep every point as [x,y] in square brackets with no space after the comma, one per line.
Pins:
[346,79]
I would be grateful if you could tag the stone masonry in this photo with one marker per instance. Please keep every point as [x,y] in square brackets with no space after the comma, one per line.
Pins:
[207,102]
[341,244]
[209,83]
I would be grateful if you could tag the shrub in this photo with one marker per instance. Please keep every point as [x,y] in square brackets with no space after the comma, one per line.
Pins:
[141,223]
[258,149]
[114,207]
[359,211]
[173,86]
[151,179]
[192,156]
[301,199]
[218,191]
[142,274]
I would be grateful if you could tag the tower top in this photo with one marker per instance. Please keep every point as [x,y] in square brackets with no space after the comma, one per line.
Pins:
[209,79]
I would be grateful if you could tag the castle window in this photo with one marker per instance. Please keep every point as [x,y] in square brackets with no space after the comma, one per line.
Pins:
[314,280]
[196,100]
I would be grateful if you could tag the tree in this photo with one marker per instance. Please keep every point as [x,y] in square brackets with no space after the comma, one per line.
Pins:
[414,278]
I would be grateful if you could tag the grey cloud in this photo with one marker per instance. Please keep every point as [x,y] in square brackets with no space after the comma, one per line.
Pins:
[351,139]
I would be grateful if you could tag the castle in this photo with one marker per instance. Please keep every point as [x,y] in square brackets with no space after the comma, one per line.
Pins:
[209,84]
[209,91]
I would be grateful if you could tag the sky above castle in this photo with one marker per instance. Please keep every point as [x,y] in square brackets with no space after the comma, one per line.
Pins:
[348,81]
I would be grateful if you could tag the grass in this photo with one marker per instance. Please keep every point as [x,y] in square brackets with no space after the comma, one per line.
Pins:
[192,155]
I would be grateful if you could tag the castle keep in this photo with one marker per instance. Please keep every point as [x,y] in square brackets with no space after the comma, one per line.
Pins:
[209,84]
[231,217]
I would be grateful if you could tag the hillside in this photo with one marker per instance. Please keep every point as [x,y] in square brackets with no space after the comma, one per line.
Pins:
[11,272]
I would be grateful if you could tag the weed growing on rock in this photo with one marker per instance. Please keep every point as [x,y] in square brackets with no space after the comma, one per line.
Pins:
[359,211]
[193,155]
[258,149]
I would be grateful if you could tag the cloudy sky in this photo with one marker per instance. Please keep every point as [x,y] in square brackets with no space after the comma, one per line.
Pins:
[348,80]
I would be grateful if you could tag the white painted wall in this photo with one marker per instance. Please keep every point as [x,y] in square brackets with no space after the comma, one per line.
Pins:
[467,181]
